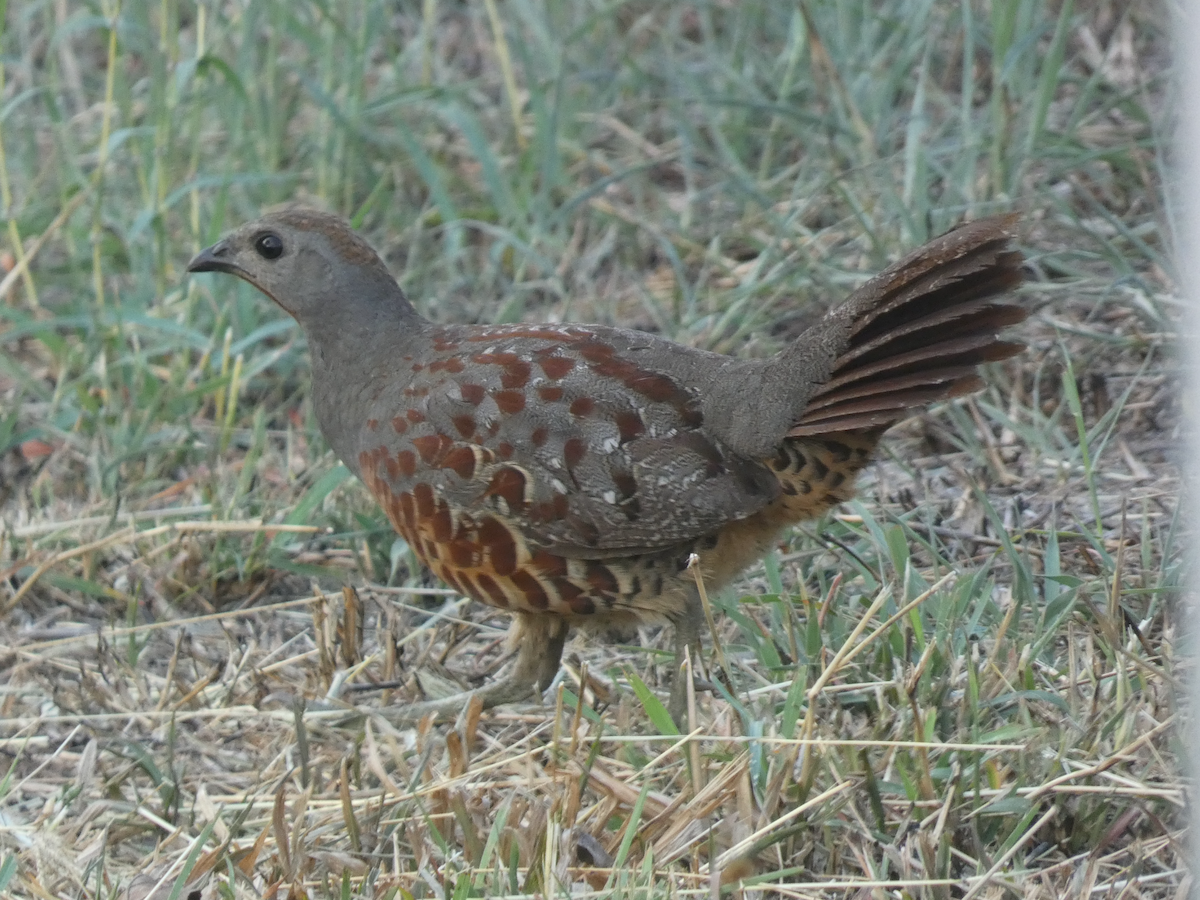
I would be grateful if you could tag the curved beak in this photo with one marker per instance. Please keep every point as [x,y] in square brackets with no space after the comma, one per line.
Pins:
[214,259]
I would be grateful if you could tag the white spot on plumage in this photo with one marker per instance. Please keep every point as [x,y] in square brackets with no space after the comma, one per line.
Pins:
[486,412]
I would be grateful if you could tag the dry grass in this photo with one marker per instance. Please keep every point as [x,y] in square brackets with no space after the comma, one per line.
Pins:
[964,684]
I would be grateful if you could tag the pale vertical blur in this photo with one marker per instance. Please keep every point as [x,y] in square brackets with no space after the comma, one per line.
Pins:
[1186,190]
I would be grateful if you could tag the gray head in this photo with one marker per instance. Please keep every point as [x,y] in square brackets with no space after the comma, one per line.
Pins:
[309,262]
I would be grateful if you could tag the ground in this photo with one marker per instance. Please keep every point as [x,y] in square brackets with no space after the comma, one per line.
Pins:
[962,684]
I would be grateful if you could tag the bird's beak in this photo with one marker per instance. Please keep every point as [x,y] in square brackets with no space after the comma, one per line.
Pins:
[214,259]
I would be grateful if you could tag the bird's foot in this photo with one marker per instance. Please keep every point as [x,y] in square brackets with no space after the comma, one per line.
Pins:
[450,708]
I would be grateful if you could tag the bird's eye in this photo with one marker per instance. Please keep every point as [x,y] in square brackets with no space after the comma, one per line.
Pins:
[269,245]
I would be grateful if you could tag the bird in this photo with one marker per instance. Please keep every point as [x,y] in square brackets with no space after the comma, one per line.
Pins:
[569,473]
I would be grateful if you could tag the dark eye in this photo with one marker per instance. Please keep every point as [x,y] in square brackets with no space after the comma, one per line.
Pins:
[269,245]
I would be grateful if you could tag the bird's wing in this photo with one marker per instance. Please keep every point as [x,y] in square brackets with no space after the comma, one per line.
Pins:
[560,433]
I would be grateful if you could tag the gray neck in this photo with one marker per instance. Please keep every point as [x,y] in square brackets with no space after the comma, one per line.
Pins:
[354,356]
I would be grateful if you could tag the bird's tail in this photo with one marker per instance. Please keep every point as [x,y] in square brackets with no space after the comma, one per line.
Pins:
[917,332]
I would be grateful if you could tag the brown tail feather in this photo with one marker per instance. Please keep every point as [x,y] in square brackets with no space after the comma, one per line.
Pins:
[936,291]
[974,318]
[968,350]
[817,408]
[879,408]
[917,331]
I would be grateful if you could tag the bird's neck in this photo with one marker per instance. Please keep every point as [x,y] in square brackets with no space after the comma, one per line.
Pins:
[354,357]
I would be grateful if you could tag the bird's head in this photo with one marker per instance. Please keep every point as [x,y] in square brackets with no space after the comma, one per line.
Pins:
[302,259]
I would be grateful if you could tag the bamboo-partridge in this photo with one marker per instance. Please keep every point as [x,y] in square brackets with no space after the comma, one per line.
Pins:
[567,473]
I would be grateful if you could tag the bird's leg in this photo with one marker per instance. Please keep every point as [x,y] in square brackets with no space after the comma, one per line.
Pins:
[539,640]
[687,636]
[549,650]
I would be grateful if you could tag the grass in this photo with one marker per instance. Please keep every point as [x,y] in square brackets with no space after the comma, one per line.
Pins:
[963,684]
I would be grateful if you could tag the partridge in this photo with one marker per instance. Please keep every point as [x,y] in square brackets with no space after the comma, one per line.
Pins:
[567,473]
